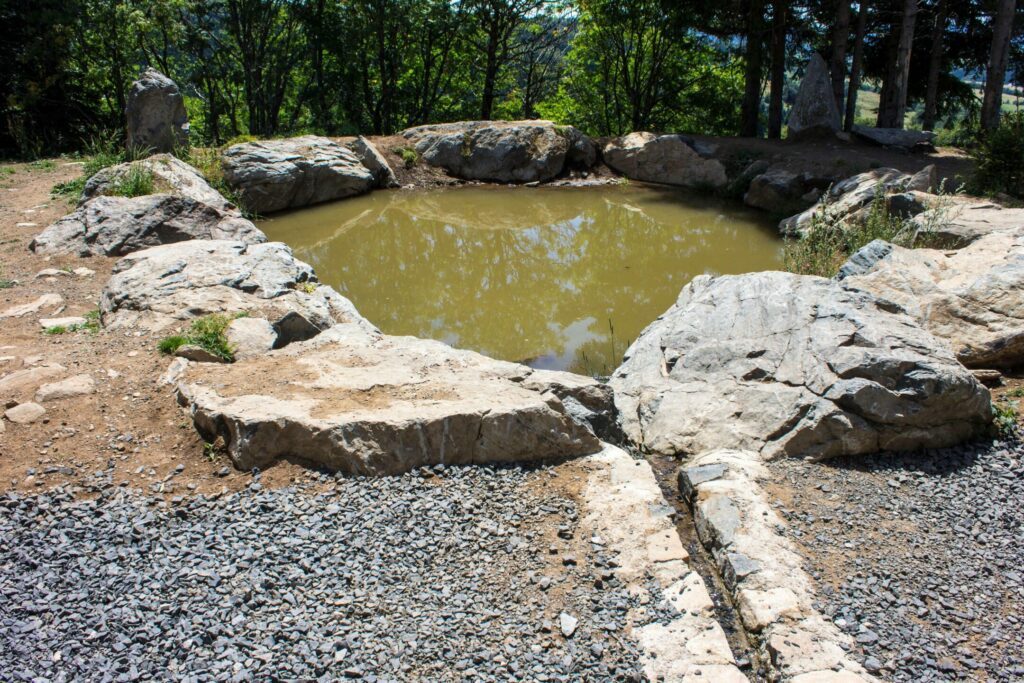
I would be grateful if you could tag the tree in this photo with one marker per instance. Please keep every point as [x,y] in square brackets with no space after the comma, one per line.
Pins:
[995,72]
[938,37]
[893,104]
[752,75]
[855,67]
[778,68]
[840,37]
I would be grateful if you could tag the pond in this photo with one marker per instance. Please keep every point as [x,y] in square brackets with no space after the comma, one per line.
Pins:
[560,278]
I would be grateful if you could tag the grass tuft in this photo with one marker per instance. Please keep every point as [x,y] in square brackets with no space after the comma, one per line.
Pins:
[410,157]
[138,181]
[208,332]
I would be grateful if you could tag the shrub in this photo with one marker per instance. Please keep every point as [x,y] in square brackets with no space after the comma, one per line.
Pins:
[999,158]
[100,152]
[830,241]
[207,333]
[410,157]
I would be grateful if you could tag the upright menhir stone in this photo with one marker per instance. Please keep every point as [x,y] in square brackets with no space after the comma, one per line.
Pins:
[157,121]
[814,112]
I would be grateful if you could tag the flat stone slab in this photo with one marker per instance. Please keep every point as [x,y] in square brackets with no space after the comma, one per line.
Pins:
[76,385]
[371,404]
[792,365]
[894,137]
[49,300]
[972,298]
[25,413]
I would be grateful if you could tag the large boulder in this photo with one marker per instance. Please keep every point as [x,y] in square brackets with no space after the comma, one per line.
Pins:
[498,151]
[365,403]
[847,198]
[165,286]
[271,175]
[792,365]
[157,121]
[370,157]
[782,192]
[668,159]
[899,138]
[814,111]
[170,176]
[115,226]
[972,298]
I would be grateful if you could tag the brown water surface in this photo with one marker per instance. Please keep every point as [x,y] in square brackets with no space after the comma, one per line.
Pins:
[561,278]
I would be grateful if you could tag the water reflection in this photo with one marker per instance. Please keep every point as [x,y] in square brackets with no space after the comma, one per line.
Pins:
[555,277]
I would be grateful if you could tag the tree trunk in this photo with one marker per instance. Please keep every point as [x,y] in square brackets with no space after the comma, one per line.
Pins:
[934,65]
[751,108]
[893,104]
[778,74]
[490,76]
[995,74]
[855,68]
[840,37]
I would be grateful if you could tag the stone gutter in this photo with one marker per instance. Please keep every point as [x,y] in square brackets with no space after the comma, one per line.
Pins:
[763,572]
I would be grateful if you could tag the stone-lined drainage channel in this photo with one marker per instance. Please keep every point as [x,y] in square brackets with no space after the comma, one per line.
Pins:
[745,652]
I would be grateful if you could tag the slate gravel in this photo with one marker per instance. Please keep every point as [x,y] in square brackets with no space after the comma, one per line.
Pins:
[439,575]
[920,557]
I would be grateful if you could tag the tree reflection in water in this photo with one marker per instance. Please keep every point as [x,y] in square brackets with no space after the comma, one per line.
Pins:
[539,275]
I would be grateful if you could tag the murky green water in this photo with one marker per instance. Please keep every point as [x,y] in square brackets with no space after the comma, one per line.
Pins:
[561,278]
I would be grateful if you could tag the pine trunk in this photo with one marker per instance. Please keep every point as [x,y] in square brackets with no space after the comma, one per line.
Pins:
[855,68]
[894,93]
[778,75]
[751,108]
[995,74]
[840,37]
[931,104]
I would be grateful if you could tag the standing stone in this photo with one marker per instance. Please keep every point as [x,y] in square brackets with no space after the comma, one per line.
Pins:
[156,114]
[814,112]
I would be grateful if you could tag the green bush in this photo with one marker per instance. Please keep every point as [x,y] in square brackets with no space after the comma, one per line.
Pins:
[999,158]
[207,333]
[410,157]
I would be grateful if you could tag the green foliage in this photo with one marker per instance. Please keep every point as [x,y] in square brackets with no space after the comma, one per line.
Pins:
[410,157]
[829,241]
[55,330]
[138,181]
[1004,418]
[91,325]
[4,282]
[999,158]
[207,332]
[101,151]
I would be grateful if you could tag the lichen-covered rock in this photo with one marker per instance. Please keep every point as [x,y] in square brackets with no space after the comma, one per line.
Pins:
[271,175]
[169,285]
[792,365]
[972,298]
[170,176]
[157,121]
[498,151]
[668,159]
[370,157]
[115,226]
[366,403]
[814,111]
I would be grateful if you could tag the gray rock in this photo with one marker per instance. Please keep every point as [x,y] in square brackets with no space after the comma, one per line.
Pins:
[956,224]
[735,567]
[365,403]
[895,137]
[667,159]
[374,161]
[567,623]
[77,385]
[198,354]
[814,111]
[115,226]
[25,413]
[271,175]
[157,120]
[846,199]
[498,151]
[167,285]
[717,519]
[251,336]
[583,152]
[690,478]
[925,180]
[778,191]
[791,365]
[972,298]
[170,176]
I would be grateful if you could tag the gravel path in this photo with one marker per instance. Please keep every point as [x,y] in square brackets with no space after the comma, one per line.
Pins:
[920,556]
[458,574]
